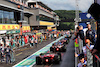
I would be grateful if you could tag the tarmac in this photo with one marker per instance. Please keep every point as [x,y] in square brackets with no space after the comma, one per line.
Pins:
[25,52]
[68,59]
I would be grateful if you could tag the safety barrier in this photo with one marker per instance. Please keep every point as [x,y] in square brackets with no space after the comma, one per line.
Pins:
[92,61]
[89,57]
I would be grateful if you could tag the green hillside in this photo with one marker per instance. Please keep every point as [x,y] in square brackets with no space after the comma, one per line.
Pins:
[67,19]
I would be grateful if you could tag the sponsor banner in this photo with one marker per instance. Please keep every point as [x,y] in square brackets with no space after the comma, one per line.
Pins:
[9,26]
[46,23]
[26,29]
[13,31]
[30,61]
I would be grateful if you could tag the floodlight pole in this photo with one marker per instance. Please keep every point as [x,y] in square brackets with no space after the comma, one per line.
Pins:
[77,14]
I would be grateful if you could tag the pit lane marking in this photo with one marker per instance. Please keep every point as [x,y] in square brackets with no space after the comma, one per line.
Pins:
[18,54]
[18,64]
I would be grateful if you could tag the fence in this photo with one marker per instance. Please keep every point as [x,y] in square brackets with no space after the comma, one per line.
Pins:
[92,60]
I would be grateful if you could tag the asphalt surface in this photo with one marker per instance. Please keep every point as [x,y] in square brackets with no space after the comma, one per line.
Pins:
[68,59]
[25,52]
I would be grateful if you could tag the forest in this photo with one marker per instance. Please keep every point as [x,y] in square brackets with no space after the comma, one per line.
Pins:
[67,19]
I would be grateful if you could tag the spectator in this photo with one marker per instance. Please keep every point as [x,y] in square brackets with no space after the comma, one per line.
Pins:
[2,52]
[7,41]
[82,63]
[14,42]
[80,33]
[7,52]
[41,38]
[18,44]
[4,41]
[19,40]
[90,34]
[76,33]
[45,37]
[55,36]
[36,42]
[23,41]
[31,42]
[11,43]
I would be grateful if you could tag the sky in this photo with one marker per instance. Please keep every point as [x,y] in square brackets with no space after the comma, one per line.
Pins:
[68,4]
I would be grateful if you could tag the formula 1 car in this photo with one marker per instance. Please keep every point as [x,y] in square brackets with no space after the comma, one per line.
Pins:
[58,48]
[65,40]
[48,58]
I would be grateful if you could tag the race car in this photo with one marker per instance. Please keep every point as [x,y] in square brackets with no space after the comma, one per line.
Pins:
[58,48]
[65,40]
[48,58]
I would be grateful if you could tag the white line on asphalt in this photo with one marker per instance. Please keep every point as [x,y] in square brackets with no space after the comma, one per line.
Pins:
[30,56]
[18,54]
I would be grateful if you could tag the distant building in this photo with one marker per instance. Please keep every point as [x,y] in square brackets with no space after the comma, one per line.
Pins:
[43,15]
[33,15]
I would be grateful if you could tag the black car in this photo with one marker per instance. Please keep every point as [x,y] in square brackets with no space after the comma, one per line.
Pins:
[58,48]
[65,41]
[48,58]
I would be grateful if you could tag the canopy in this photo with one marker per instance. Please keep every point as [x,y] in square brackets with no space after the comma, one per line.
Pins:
[3,31]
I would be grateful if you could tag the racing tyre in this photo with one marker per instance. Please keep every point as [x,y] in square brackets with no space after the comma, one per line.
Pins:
[64,50]
[38,60]
[51,49]
[56,59]
[59,56]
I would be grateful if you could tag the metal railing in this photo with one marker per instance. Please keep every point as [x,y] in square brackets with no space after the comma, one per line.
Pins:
[89,57]
[92,60]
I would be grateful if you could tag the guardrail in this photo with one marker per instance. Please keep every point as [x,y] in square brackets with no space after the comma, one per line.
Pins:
[77,50]
[90,59]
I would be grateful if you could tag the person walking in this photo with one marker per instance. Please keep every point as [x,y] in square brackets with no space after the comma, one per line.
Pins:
[14,42]
[45,37]
[41,38]
[11,53]
[31,44]
[35,42]
[4,41]
[23,43]
[51,35]
[8,56]
[20,41]
[18,44]
[7,41]
[2,53]
[55,36]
